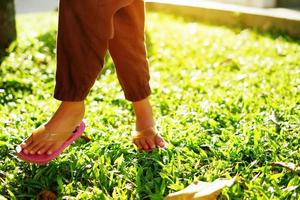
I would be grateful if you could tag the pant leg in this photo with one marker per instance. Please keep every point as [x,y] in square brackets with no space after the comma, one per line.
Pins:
[128,51]
[83,33]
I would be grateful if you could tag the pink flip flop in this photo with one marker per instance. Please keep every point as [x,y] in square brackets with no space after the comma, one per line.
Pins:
[45,158]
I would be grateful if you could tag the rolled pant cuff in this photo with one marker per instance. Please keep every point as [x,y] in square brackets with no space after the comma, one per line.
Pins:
[138,95]
[69,95]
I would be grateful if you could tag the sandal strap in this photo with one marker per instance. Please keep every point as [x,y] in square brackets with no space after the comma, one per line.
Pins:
[49,135]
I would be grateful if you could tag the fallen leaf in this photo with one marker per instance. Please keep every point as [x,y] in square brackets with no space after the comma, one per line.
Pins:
[290,166]
[291,188]
[2,197]
[46,195]
[201,190]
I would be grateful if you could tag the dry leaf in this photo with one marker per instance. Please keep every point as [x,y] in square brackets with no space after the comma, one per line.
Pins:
[290,166]
[46,195]
[201,190]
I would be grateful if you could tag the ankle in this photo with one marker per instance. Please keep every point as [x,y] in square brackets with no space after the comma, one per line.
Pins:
[144,124]
[72,107]
[68,114]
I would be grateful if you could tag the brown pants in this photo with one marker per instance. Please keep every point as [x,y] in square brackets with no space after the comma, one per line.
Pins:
[86,30]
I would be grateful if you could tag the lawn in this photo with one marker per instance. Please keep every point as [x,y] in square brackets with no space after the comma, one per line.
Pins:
[226,100]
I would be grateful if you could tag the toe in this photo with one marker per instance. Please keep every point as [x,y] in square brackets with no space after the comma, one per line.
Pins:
[159,141]
[53,148]
[150,142]
[137,143]
[44,149]
[30,146]
[25,151]
[26,142]
[144,144]
[23,145]
[36,148]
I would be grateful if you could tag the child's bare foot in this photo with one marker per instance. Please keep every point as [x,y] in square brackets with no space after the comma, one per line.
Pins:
[65,120]
[147,137]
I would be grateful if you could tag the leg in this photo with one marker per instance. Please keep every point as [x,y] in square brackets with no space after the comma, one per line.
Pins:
[80,53]
[144,120]
[80,50]
[127,49]
[84,30]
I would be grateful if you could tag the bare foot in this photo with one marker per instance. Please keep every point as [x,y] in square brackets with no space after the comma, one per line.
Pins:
[49,137]
[146,137]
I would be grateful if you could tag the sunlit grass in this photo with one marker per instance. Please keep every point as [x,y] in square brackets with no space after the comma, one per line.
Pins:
[226,100]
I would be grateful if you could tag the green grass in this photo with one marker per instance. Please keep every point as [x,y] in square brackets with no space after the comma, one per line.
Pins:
[226,100]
